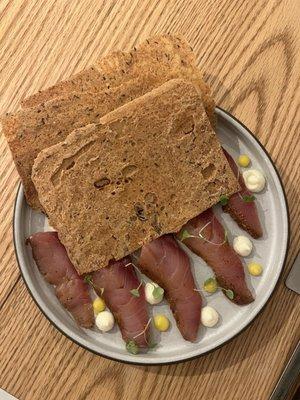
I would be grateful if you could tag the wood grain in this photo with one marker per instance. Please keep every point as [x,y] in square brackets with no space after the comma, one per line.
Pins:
[249,53]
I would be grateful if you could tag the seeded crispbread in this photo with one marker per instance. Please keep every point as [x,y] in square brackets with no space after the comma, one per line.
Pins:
[157,60]
[148,168]
[164,53]
[31,130]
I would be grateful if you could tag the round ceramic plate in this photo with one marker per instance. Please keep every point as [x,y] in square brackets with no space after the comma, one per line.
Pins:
[270,251]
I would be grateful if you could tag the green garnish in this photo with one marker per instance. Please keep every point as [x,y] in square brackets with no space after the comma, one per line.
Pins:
[184,235]
[152,345]
[132,347]
[229,293]
[211,285]
[248,199]
[157,292]
[143,331]
[135,292]
[209,241]
[223,200]
[88,279]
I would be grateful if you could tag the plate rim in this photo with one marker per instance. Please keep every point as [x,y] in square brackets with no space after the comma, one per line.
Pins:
[229,116]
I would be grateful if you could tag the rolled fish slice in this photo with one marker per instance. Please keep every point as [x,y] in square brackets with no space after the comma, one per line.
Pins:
[124,295]
[54,264]
[206,237]
[163,261]
[244,213]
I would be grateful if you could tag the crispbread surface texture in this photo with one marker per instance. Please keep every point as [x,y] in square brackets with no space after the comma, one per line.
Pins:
[144,171]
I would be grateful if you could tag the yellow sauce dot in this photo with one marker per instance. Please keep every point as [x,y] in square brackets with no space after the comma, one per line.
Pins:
[255,269]
[243,160]
[161,322]
[211,286]
[98,305]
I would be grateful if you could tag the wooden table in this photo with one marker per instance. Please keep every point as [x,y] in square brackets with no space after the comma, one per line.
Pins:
[249,53]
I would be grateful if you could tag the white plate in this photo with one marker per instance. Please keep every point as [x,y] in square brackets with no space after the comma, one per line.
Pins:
[270,251]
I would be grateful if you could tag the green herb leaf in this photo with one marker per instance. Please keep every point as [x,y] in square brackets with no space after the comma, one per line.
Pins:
[157,292]
[223,200]
[184,235]
[152,345]
[88,279]
[248,199]
[229,293]
[132,347]
[135,292]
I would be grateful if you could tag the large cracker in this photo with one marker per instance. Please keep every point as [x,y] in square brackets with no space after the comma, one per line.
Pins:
[31,130]
[151,165]
[166,53]
[127,75]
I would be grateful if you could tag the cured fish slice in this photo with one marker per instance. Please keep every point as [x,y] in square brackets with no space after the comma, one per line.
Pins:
[243,212]
[124,295]
[163,261]
[206,237]
[54,264]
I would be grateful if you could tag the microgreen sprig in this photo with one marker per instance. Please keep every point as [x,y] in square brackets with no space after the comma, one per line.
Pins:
[248,199]
[184,234]
[88,279]
[135,292]
[209,241]
[213,282]
[223,200]
[229,293]
[132,347]
[144,330]
[134,266]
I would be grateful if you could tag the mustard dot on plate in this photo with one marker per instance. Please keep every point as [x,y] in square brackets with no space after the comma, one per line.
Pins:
[98,305]
[161,322]
[210,285]
[244,160]
[255,269]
